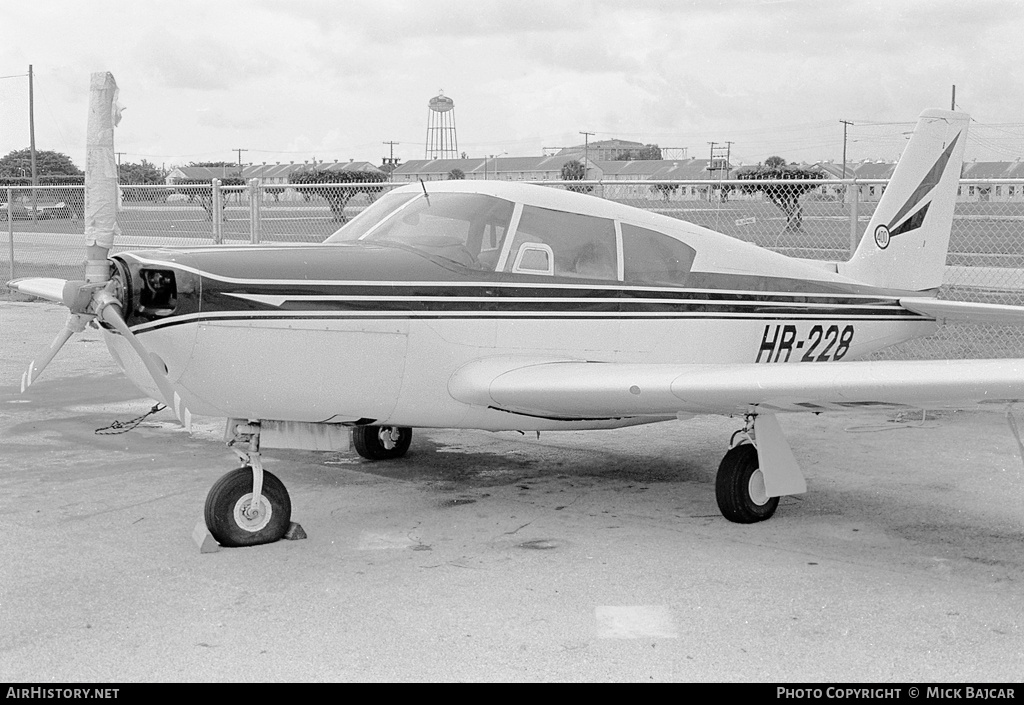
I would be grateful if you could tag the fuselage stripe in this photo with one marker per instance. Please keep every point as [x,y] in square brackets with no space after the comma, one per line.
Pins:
[222,316]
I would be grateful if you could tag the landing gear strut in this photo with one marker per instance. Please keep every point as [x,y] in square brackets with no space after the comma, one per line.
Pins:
[248,506]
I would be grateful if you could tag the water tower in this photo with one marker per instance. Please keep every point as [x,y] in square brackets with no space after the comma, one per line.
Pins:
[441,142]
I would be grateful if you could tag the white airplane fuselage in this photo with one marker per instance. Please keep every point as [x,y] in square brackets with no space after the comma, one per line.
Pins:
[331,348]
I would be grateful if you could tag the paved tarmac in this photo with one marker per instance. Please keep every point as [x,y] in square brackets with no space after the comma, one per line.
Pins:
[596,556]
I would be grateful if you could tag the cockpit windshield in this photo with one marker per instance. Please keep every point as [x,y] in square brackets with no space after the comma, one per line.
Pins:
[466,228]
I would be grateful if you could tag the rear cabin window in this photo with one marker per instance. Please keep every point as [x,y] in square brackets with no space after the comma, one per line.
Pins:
[563,244]
[650,257]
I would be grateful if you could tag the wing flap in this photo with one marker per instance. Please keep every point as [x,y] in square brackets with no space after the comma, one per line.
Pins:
[591,390]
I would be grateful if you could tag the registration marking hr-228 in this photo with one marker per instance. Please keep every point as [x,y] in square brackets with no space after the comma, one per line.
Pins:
[819,343]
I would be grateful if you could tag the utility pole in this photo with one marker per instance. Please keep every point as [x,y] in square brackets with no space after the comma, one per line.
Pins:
[32,129]
[952,101]
[390,161]
[32,141]
[854,195]
[236,149]
[720,157]
[586,151]
[846,123]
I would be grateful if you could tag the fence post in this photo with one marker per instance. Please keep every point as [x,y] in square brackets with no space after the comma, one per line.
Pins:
[10,228]
[216,209]
[254,212]
[854,217]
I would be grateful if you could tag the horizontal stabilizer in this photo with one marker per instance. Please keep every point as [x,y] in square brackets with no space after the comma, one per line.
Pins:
[965,311]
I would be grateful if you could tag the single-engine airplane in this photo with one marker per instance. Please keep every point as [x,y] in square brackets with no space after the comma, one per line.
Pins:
[507,306]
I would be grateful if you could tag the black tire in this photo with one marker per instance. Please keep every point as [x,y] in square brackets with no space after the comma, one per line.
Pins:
[227,500]
[739,487]
[370,445]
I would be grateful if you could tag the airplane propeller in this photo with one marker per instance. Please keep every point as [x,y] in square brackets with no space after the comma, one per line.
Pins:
[95,298]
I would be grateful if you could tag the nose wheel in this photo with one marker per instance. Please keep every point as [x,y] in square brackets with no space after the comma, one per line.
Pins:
[235,520]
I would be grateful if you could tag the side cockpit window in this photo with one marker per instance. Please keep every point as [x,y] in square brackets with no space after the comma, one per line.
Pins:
[468,229]
[563,244]
[650,257]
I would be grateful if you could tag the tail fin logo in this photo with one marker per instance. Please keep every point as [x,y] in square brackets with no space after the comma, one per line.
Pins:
[885,233]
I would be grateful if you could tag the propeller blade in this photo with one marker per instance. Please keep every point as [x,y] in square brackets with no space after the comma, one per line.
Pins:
[108,313]
[75,323]
[42,287]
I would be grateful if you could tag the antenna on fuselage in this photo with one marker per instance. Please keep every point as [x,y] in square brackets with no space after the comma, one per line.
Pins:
[425,194]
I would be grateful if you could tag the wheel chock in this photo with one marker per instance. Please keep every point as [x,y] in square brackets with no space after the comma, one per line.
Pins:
[204,539]
[294,533]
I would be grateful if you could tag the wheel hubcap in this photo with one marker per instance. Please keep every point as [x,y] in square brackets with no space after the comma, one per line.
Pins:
[250,517]
[756,490]
[389,437]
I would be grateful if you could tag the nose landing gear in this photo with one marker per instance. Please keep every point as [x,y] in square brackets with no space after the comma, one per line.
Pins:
[247,506]
[234,519]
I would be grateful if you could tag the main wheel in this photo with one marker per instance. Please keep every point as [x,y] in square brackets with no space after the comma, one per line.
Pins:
[232,518]
[381,442]
[739,487]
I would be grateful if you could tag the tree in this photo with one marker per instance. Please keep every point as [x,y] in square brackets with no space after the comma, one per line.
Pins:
[574,170]
[201,191]
[787,197]
[456,174]
[648,151]
[338,196]
[142,173]
[19,163]
[665,190]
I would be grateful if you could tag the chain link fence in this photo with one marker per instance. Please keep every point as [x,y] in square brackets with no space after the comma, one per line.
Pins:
[41,229]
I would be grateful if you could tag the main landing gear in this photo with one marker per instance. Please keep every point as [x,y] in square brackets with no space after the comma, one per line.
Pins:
[381,442]
[758,469]
[739,487]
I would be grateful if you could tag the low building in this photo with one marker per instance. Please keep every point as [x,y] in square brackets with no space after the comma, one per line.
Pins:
[500,168]
[267,175]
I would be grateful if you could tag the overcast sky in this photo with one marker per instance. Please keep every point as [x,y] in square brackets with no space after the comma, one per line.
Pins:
[334,79]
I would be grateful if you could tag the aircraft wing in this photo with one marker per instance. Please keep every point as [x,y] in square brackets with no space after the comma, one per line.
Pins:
[565,389]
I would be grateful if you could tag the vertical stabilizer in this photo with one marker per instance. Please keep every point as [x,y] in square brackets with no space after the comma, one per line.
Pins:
[905,244]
